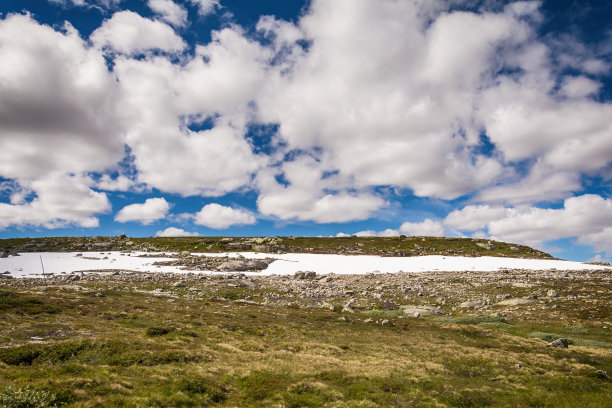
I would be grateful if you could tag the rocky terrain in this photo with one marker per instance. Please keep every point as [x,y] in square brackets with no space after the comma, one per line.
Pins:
[382,246]
[189,262]
[525,294]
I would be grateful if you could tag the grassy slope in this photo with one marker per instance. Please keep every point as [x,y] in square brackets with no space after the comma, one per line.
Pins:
[133,349]
[402,246]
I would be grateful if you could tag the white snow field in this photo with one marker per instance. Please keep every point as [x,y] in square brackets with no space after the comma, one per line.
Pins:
[29,264]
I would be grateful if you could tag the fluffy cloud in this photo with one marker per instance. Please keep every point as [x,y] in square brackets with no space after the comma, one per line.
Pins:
[601,240]
[371,233]
[151,210]
[57,103]
[169,12]
[221,217]
[206,7]
[128,33]
[55,201]
[405,102]
[390,97]
[588,217]
[165,101]
[543,183]
[87,3]
[311,195]
[580,216]
[474,217]
[398,98]
[175,232]
[427,228]
[58,121]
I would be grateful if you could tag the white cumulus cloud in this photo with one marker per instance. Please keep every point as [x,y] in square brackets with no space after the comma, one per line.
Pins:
[163,101]
[169,11]
[218,216]
[60,201]
[175,232]
[57,102]
[587,217]
[474,217]
[151,210]
[128,33]
[427,228]
[206,7]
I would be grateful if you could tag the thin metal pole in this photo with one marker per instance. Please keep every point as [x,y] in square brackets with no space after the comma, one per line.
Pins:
[43,266]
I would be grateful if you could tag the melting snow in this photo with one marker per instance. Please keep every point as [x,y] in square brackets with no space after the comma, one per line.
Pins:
[29,264]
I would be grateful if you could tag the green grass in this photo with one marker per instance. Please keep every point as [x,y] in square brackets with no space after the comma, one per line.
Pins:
[131,349]
[549,337]
[385,246]
[22,304]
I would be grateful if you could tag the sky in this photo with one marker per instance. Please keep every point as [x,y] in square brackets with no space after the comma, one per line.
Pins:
[460,118]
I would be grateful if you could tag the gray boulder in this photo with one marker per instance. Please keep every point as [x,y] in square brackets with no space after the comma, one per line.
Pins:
[305,275]
[562,342]
[421,310]
[515,302]
[552,293]
[475,304]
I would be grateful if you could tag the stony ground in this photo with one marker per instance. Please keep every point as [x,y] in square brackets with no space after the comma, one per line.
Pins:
[121,338]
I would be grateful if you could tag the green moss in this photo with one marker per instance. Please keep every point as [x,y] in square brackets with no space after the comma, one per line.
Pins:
[472,319]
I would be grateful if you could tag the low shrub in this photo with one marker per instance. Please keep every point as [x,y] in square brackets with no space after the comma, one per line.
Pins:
[158,331]
[27,397]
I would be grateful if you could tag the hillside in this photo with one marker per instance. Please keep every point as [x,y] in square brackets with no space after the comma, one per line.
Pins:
[382,246]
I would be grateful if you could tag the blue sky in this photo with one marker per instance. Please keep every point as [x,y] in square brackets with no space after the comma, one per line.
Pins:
[486,119]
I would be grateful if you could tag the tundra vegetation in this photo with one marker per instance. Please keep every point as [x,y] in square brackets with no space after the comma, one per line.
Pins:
[457,339]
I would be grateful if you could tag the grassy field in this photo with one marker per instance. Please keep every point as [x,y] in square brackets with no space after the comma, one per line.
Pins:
[113,346]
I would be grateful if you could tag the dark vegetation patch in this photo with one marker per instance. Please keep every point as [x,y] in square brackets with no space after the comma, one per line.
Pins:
[23,304]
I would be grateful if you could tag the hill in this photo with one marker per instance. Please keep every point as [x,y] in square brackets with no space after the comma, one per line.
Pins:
[382,246]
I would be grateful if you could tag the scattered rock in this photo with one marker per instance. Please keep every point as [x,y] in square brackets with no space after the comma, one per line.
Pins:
[515,302]
[502,296]
[388,305]
[304,275]
[247,302]
[552,293]
[562,342]
[77,288]
[347,307]
[416,311]
[487,245]
[602,374]
[474,304]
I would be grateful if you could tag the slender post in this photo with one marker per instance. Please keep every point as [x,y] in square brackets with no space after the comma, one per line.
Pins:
[43,266]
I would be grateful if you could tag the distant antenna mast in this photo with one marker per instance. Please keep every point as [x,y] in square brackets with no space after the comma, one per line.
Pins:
[43,266]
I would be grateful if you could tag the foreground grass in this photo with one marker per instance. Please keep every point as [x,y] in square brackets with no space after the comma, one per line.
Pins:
[129,349]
